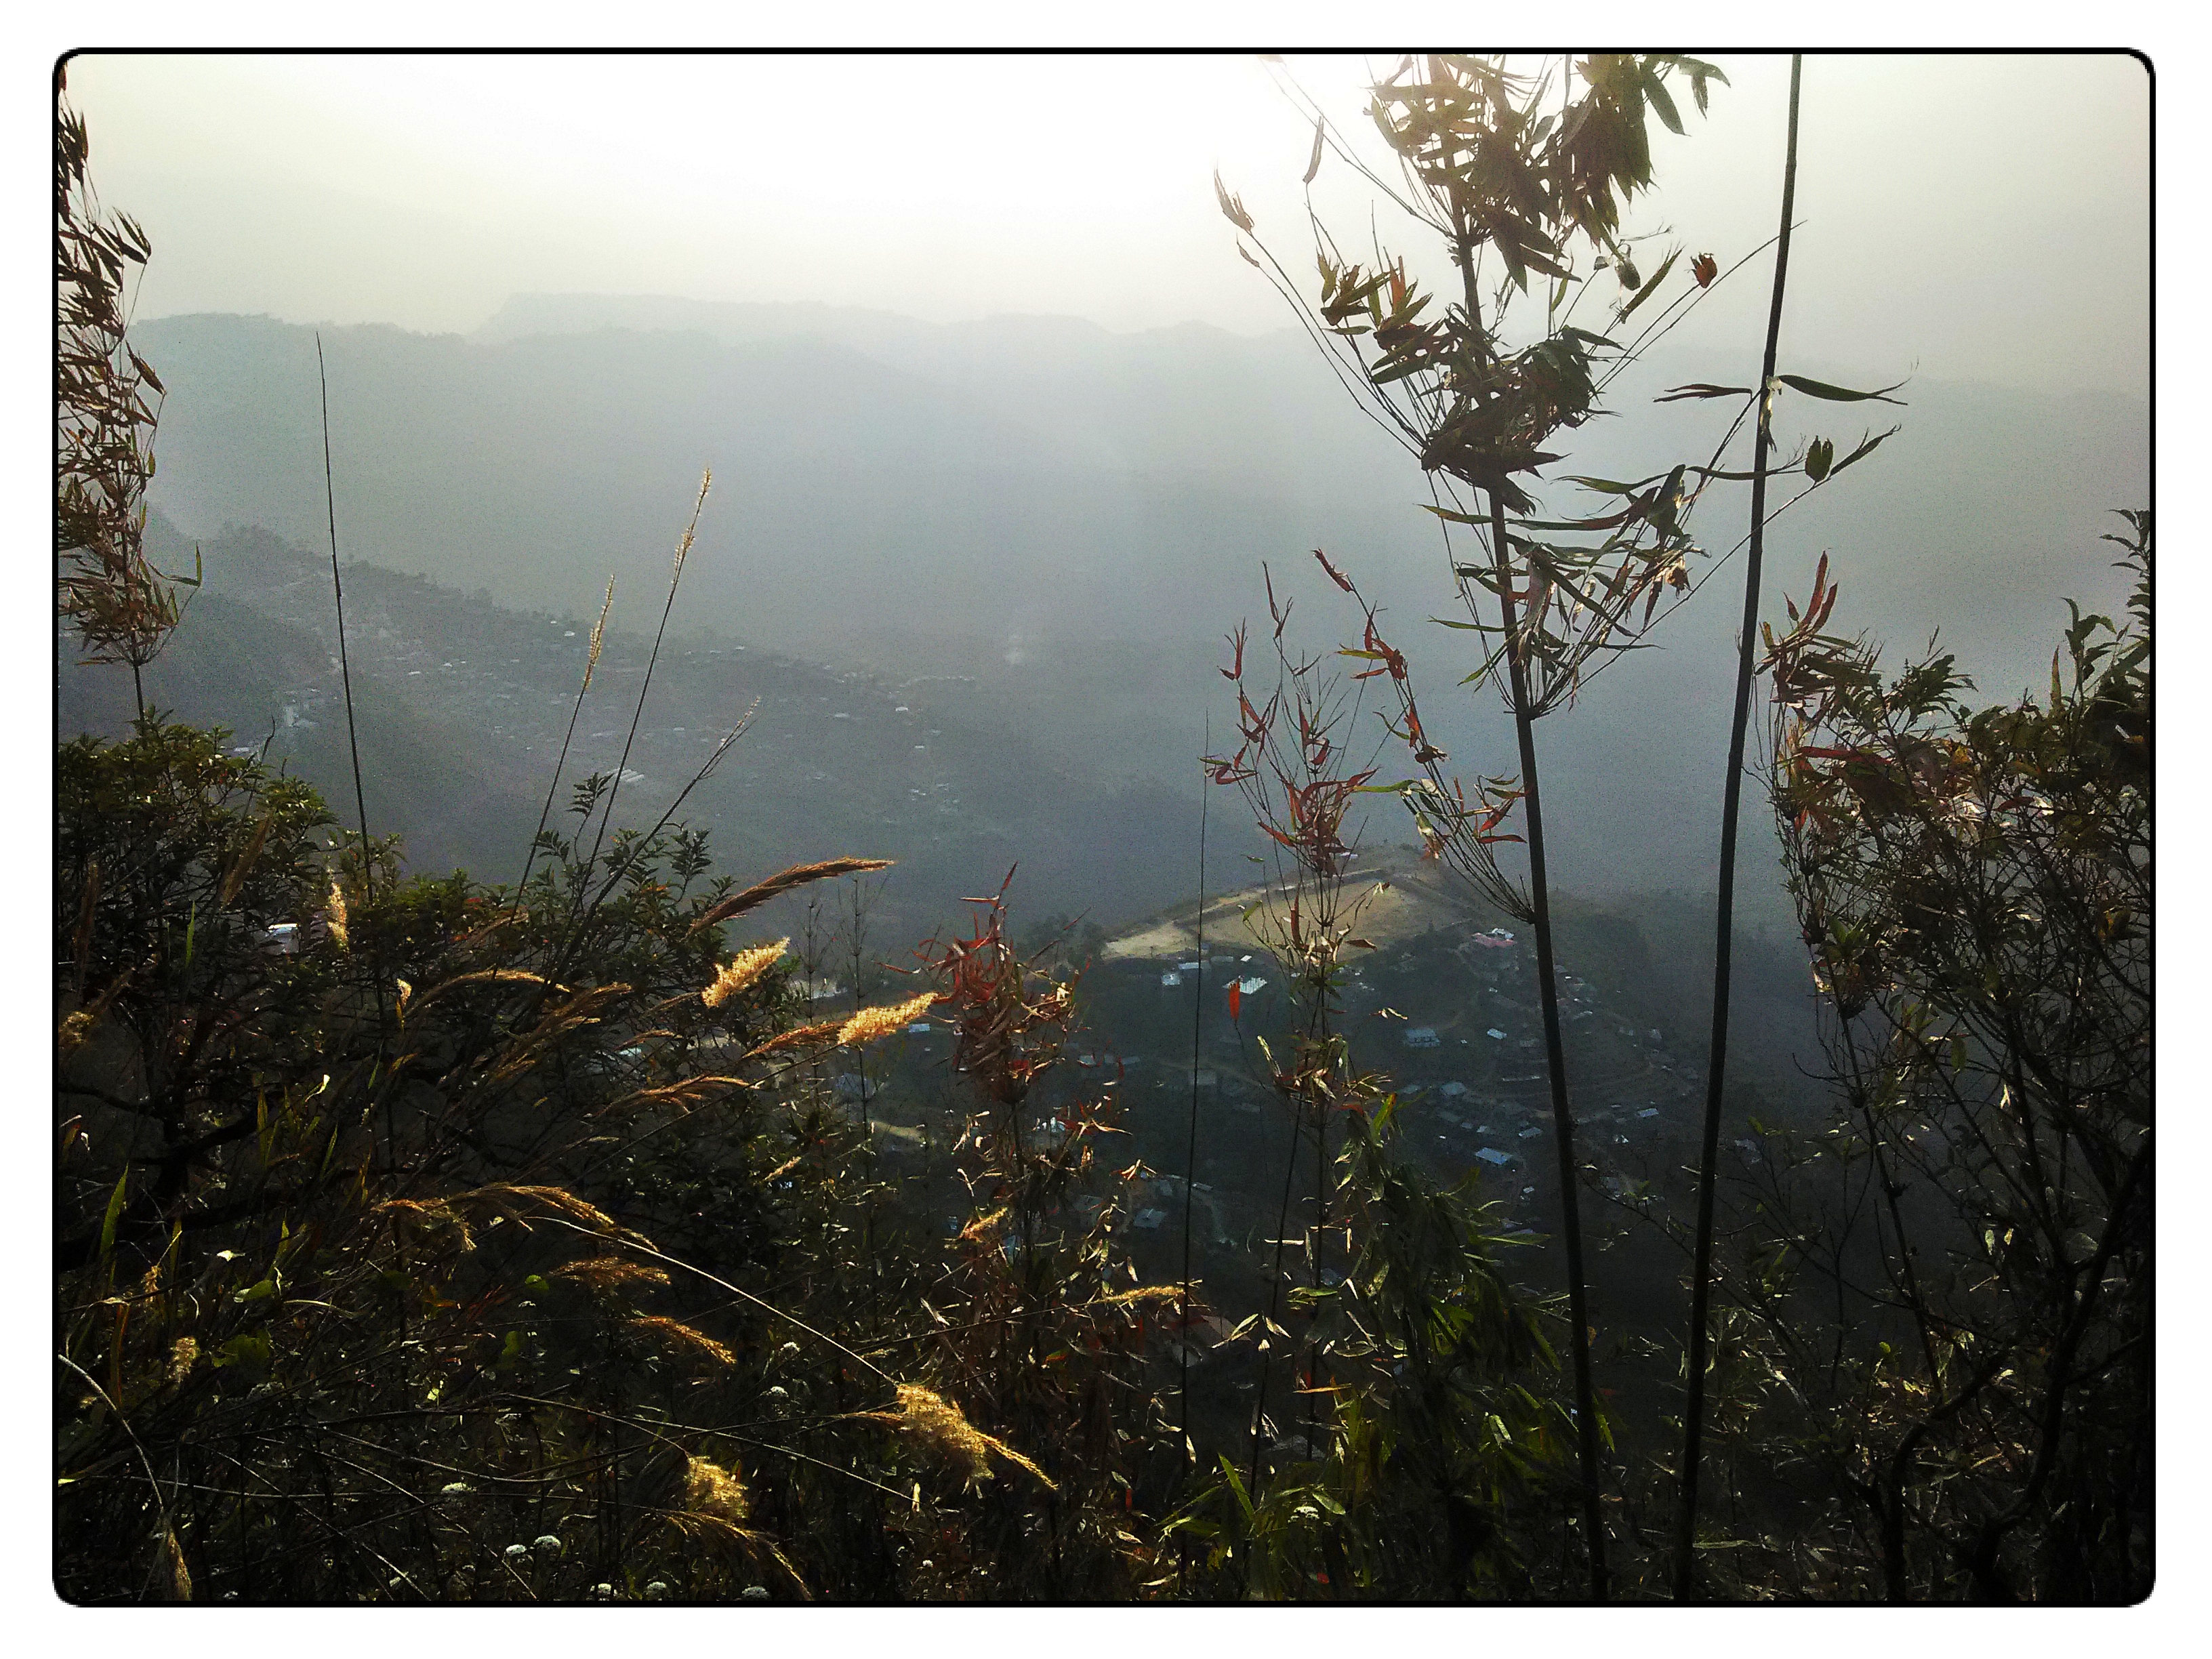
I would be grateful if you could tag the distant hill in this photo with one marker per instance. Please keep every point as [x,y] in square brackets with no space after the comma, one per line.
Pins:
[1057,522]
[461,705]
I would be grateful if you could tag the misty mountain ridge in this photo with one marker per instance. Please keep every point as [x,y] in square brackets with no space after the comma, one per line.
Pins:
[1073,518]
[461,707]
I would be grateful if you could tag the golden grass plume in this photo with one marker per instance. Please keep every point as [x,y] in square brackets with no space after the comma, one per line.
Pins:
[607,1273]
[175,1578]
[679,1341]
[244,862]
[710,1489]
[798,1036]
[935,1427]
[517,1203]
[598,634]
[335,914]
[434,1222]
[870,1024]
[753,1546]
[1145,1293]
[690,531]
[484,976]
[799,875]
[684,1093]
[742,970]
[570,1014]
[980,1229]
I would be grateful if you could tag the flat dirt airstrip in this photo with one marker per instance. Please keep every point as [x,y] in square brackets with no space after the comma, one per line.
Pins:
[1390,896]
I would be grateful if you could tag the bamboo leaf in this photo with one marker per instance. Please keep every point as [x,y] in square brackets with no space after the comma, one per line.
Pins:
[1652,286]
[1701,389]
[1836,394]
[114,1213]
[1865,449]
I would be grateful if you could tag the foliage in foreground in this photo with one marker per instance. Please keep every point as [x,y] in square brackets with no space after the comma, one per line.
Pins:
[455,1243]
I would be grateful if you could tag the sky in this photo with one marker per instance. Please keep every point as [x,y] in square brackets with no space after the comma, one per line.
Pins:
[1972,217]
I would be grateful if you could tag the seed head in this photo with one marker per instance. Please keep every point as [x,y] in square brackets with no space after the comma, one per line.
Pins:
[872,1023]
[742,970]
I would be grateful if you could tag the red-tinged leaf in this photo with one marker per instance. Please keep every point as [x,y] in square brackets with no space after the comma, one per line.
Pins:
[1232,209]
[1705,268]
[1335,574]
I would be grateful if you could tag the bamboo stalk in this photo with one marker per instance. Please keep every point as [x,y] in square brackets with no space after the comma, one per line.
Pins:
[1563,1122]
[1694,1412]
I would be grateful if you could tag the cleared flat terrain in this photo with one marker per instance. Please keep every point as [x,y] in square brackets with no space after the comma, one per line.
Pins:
[1393,896]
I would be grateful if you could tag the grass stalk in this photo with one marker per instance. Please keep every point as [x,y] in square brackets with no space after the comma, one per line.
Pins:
[337,595]
[651,662]
[560,762]
[1190,1144]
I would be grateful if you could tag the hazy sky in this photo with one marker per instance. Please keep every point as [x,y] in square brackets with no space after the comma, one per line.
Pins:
[1977,218]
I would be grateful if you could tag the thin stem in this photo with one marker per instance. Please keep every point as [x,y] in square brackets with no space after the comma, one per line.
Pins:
[1274,1287]
[338,593]
[1563,1122]
[353,741]
[561,761]
[1190,1146]
[675,581]
[1693,1413]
